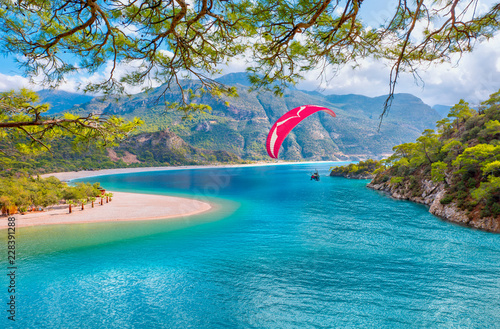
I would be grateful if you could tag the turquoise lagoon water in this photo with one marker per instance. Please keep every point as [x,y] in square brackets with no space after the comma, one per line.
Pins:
[279,251]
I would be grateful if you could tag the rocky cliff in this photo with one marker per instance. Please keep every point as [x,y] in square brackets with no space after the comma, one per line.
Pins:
[454,170]
[431,194]
[352,176]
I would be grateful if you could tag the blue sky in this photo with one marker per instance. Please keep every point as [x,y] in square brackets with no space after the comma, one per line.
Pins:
[473,77]
[9,66]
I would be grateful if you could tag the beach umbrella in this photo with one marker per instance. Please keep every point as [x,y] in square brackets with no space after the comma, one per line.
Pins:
[281,128]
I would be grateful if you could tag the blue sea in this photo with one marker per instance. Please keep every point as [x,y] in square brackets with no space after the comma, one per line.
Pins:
[277,251]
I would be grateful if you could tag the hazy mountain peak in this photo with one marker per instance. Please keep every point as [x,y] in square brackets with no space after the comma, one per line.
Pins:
[241,125]
[241,78]
[61,100]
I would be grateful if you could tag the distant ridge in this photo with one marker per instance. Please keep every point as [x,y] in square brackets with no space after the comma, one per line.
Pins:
[240,125]
[62,100]
[442,110]
[231,79]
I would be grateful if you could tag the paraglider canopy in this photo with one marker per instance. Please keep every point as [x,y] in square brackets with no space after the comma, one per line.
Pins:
[286,123]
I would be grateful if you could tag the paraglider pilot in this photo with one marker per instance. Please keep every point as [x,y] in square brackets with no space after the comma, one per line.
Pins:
[315,176]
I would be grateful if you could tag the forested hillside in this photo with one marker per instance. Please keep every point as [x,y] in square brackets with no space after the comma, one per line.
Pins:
[455,170]
[240,125]
[61,100]
[142,150]
[233,131]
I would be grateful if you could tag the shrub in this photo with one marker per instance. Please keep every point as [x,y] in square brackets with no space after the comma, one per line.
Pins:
[460,186]
[413,183]
[473,122]
[461,195]
[470,206]
[416,192]
[471,182]
[447,199]
[461,204]
[495,208]
[396,180]
[472,133]
[485,212]
[403,171]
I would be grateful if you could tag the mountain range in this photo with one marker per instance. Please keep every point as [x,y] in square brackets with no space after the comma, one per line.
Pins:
[239,125]
[61,101]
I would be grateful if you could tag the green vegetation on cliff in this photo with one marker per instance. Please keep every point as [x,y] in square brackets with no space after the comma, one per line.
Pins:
[463,156]
[361,169]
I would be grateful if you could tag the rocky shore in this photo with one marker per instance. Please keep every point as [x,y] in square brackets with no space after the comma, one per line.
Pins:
[353,176]
[432,193]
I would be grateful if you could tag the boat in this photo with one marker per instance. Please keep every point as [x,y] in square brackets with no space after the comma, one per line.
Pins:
[315,176]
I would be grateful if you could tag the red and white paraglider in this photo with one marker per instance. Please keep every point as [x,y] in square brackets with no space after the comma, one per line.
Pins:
[286,123]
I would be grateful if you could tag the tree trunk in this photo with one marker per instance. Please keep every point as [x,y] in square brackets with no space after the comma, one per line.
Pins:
[427,155]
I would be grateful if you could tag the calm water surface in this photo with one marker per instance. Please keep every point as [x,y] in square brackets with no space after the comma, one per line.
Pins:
[279,251]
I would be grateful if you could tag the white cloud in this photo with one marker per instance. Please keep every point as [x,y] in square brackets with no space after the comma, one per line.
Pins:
[75,82]
[9,82]
[474,78]
[166,53]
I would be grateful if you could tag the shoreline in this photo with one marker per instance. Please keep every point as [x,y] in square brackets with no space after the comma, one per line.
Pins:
[70,175]
[124,207]
[431,197]
[128,206]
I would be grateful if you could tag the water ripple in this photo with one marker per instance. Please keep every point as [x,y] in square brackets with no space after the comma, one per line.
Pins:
[293,254]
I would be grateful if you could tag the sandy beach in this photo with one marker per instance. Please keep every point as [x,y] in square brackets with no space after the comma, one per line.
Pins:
[123,207]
